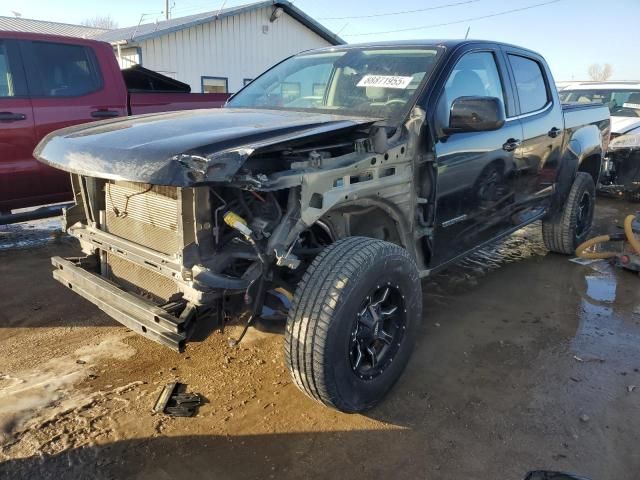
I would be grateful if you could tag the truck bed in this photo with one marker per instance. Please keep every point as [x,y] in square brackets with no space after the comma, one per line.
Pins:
[153,92]
[580,114]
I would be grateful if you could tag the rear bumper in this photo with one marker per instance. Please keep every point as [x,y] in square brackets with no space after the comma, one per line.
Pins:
[133,312]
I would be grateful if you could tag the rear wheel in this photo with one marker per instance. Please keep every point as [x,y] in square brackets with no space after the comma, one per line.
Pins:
[352,323]
[569,227]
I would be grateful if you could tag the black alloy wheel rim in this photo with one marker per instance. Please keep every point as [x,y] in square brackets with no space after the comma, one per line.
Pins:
[583,215]
[378,331]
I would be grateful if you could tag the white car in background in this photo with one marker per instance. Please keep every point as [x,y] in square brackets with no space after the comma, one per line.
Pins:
[621,169]
[622,98]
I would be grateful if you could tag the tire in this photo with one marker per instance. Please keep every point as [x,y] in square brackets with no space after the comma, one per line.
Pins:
[332,317]
[569,227]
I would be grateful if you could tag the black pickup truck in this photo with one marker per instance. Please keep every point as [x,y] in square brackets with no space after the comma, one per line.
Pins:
[321,195]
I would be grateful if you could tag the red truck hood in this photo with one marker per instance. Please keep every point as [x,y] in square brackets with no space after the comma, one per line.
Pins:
[182,148]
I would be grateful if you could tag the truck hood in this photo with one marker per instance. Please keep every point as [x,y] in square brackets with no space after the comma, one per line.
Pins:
[622,125]
[183,148]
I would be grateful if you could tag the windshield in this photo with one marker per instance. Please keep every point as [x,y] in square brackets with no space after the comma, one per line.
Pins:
[376,82]
[621,103]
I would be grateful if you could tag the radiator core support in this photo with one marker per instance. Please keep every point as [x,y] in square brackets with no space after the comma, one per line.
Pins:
[142,243]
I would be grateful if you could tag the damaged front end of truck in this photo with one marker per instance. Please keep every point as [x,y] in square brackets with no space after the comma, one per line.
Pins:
[210,228]
[621,168]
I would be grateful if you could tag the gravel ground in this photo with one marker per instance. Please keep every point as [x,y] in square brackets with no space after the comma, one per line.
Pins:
[525,361]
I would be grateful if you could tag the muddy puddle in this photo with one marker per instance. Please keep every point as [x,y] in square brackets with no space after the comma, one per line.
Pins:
[523,244]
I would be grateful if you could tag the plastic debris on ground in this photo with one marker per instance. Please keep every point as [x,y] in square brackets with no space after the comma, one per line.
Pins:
[174,401]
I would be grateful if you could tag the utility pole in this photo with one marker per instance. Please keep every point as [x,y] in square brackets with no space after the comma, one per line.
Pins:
[166,9]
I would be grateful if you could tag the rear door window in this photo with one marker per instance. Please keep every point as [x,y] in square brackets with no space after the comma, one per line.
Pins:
[530,84]
[63,70]
[11,79]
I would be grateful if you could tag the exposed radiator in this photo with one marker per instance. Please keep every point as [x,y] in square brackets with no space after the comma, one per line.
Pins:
[144,214]
[149,216]
[141,280]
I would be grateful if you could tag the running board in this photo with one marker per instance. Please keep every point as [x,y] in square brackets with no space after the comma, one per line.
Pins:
[133,312]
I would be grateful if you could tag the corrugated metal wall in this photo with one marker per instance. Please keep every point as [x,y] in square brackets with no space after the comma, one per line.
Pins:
[233,47]
[128,57]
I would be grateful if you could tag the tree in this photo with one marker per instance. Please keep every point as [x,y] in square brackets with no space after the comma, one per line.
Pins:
[600,73]
[105,22]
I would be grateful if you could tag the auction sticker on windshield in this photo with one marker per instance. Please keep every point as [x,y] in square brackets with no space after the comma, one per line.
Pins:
[385,81]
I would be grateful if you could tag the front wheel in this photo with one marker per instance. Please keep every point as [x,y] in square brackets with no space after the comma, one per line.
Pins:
[568,228]
[352,323]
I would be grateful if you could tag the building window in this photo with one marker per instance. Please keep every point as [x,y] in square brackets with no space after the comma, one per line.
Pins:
[214,85]
[247,81]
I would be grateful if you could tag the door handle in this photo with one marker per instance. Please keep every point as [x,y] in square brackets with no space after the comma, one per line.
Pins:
[12,117]
[511,144]
[554,132]
[105,113]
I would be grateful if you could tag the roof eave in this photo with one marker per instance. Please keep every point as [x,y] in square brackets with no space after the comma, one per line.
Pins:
[310,23]
[288,7]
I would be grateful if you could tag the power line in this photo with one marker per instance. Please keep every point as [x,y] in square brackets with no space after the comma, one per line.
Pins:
[506,12]
[202,6]
[401,12]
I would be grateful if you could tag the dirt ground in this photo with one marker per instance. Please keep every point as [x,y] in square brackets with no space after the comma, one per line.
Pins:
[525,361]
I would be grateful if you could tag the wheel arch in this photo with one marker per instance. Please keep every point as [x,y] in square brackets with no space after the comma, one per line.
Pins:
[583,153]
[586,146]
[592,164]
[345,220]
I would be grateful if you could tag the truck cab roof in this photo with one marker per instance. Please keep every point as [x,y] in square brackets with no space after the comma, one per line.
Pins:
[449,44]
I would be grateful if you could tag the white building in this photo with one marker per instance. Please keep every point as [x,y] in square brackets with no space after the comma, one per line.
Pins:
[220,51]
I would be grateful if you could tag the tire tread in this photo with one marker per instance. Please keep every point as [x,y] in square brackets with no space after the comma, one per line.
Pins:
[313,307]
[558,231]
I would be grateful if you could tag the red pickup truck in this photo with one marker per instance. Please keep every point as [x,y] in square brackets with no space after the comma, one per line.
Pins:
[48,82]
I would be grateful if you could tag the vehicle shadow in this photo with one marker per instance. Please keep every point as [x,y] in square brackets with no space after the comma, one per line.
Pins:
[343,454]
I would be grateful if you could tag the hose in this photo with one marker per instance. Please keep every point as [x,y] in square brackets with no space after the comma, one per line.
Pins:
[628,230]
[581,253]
[630,236]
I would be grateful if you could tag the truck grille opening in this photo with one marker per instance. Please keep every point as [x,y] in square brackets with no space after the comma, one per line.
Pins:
[144,214]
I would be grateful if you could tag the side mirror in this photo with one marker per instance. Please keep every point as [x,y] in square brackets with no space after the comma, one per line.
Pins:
[475,114]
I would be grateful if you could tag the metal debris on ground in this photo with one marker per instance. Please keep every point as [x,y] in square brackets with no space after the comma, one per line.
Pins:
[631,388]
[588,358]
[550,475]
[177,403]
[586,261]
